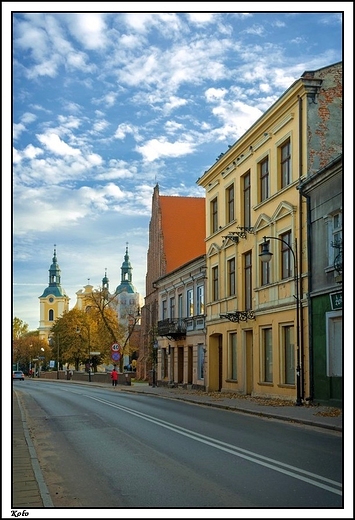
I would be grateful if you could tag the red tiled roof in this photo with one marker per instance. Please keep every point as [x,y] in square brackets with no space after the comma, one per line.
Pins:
[184,229]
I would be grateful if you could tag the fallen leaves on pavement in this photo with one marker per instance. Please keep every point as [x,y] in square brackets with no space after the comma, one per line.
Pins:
[268,401]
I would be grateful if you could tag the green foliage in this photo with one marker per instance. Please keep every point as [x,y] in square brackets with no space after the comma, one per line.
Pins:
[26,346]
[19,328]
[77,333]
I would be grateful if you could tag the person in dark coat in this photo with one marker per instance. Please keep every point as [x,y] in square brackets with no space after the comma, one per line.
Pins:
[114,377]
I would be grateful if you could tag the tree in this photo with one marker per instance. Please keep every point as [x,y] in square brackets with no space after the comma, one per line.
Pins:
[68,346]
[19,328]
[111,329]
[27,346]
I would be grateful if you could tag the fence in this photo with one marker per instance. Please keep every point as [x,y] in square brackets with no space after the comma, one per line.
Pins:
[97,377]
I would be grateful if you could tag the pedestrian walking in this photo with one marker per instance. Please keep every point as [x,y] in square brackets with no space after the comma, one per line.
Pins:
[114,377]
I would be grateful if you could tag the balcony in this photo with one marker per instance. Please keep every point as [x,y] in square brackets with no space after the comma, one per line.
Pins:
[172,329]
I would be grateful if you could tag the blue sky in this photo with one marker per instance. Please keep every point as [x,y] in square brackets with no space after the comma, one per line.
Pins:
[107,104]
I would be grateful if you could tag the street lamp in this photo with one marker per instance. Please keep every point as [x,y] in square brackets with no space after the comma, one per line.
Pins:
[78,332]
[266,256]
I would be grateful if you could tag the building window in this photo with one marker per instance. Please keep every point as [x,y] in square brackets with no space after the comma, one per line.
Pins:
[200,299]
[232,365]
[231,276]
[286,260]
[180,306]
[51,315]
[285,166]
[264,270]
[172,307]
[334,332]
[264,179]
[190,302]
[214,215]
[201,361]
[230,203]
[267,355]
[246,200]
[215,283]
[247,281]
[164,310]
[289,354]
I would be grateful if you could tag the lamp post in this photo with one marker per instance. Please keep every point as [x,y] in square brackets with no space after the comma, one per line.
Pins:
[30,367]
[39,363]
[266,256]
[78,332]
[171,365]
[155,351]
[58,356]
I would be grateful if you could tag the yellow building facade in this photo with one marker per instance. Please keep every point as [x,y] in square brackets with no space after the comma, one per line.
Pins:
[257,320]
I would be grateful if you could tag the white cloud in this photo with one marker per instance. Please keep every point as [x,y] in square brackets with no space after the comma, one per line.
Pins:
[157,148]
[17,130]
[31,152]
[100,126]
[174,102]
[28,117]
[89,29]
[201,18]
[124,129]
[54,144]
[213,94]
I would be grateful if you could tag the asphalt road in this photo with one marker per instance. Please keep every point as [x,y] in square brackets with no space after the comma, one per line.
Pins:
[101,449]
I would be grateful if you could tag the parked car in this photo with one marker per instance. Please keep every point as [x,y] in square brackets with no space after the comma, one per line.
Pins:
[18,374]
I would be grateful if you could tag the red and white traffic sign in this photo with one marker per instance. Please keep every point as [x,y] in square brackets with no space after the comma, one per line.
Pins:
[115,347]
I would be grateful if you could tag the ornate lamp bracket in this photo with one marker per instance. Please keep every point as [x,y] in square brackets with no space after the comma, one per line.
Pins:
[338,260]
[238,316]
[235,236]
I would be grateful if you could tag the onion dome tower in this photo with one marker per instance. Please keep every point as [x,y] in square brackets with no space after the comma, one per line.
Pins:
[53,301]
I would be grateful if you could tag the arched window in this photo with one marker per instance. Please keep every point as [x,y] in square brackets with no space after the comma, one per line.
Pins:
[51,315]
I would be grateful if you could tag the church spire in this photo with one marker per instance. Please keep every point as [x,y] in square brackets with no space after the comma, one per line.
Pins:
[126,269]
[105,281]
[126,275]
[54,271]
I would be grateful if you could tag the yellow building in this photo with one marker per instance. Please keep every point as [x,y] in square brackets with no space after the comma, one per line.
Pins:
[257,319]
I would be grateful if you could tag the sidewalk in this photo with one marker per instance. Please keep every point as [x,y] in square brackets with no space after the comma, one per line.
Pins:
[29,489]
[321,416]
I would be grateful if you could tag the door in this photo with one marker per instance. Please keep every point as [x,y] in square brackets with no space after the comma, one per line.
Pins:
[249,382]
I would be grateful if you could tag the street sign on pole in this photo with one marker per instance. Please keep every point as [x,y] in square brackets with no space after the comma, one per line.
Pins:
[95,353]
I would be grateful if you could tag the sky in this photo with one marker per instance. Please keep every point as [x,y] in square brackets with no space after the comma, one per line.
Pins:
[105,105]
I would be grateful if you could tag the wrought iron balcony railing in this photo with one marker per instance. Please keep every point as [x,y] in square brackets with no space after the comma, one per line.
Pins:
[172,328]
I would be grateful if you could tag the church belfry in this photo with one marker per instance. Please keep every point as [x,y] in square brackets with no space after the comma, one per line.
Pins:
[105,282]
[126,275]
[54,271]
[54,300]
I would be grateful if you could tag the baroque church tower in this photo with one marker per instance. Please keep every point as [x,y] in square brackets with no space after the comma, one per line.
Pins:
[54,300]
[128,300]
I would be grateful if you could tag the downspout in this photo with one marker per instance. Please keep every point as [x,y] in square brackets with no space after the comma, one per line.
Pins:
[310,282]
[299,260]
